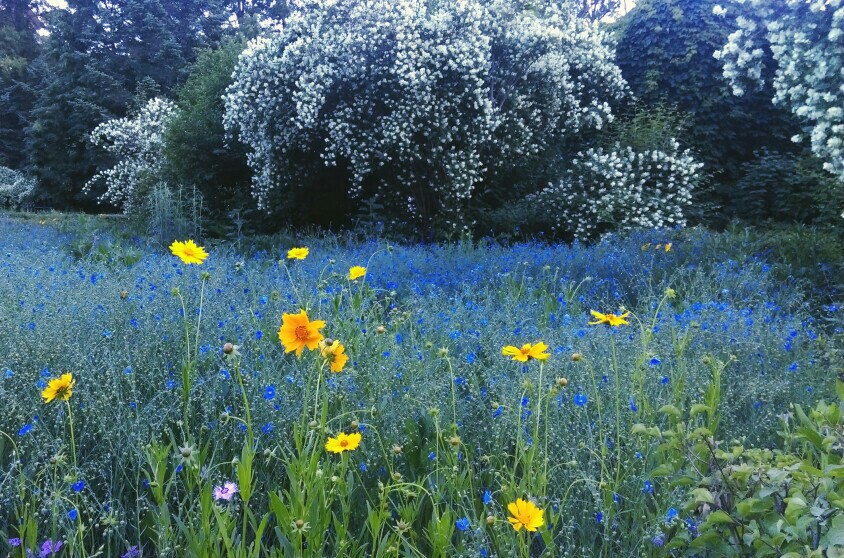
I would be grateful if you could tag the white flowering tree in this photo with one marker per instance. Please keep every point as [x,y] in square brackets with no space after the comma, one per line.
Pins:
[137,144]
[806,40]
[419,104]
[16,189]
[620,189]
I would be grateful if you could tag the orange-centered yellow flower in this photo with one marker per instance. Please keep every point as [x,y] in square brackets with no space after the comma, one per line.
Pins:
[334,354]
[343,442]
[527,351]
[610,319]
[59,388]
[524,513]
[356,272]
[297,253]
[188,252]
[297,332]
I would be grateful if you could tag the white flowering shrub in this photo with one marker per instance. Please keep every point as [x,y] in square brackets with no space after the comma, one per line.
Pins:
[137,144]
[420,104]
[619,190]
[806,39]
[17,190]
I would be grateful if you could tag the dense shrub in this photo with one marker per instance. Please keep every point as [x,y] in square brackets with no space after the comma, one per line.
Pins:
[16,190]
[424,107]
[620,189]
[196,147]
[806,39]
[137,145]
[786,187]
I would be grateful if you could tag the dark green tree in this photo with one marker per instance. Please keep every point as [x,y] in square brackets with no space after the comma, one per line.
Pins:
[665,51]
[100,61]
[19,46]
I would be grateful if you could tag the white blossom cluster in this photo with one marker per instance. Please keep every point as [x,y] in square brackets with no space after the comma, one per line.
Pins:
[16,189]
[806,38]
[137,144]
[621,189]
[423,102]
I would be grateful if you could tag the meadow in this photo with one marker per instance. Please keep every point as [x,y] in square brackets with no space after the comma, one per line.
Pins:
[190,429]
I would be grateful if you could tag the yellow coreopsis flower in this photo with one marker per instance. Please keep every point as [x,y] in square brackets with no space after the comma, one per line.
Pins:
[610,319]
[668,247]
[527,351]
[297,253]
[343,442]
[335,354]
[188,252]
[297,332]
[524,513]
[356,272]
[59,388]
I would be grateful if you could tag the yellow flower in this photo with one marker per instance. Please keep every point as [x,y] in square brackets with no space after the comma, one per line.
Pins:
[188,252]
[297,332]
[610,319]
[356,272]
[668,247]
[297,253]
[59,388]
[525,514]
[343,442]
[335,354]
[527,351]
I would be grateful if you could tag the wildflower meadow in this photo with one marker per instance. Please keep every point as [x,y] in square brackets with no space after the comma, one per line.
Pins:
[642,396]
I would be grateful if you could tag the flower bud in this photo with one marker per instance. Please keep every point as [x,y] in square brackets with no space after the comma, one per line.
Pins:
[228,348]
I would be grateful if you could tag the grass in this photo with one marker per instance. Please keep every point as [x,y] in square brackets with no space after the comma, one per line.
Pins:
[722,333]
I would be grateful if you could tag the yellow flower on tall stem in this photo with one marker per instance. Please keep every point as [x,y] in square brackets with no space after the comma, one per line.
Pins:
[188,252]
[524,513]
[334,353]
[526,352]
[59,388]
[343,442]
[609,319]
[297,332]
[356,272]
[297,253]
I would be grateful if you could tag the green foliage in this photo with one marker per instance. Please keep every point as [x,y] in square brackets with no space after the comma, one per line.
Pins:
[197,150]
[18,47]
[768,503]
[665,51]
[786,187]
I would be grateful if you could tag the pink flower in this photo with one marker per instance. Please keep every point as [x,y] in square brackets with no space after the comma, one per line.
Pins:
[225,492]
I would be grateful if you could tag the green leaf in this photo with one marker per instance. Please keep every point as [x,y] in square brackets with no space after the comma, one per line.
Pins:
[717,517]
[698,408]
[703,495]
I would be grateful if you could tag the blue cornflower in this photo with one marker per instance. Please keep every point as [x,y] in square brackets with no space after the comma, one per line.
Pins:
[633,406]
[647,487]
[269,393]
[432,456]
[267,428]
[487,497]
[259,334]
[599,517]
[72,514]
[78,486]
[671,514]
[664,380]
[25,429]
[463,524]
[580,400]
[497,412]
[655,361]
[658,540]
